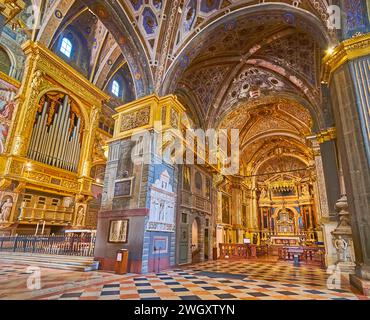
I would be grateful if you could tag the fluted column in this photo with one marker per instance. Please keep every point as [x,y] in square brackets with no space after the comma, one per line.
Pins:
[347,71]
[236,209]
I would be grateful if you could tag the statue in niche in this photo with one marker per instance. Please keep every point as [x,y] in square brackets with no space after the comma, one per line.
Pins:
[300,221]
[341,245]
[6,210]
[305,191]
[80,216]
[263,193]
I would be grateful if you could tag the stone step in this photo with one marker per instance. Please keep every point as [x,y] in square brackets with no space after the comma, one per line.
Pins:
[73,263]
[48,256]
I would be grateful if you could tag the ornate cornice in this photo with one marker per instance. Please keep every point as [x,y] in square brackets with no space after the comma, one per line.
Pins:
[13,82]
[66,75]
[349,49]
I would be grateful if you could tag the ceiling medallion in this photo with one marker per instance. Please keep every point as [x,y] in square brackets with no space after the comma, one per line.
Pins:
[58,14]
[101,12]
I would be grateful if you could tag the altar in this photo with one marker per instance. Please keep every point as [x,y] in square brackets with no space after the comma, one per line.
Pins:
[291,241]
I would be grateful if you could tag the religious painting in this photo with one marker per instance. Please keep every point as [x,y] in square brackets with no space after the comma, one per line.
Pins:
[225,209]
[6,115]
[123,188]
[186,179]
[198,181]
[4,131]
[118,231]
[244,215]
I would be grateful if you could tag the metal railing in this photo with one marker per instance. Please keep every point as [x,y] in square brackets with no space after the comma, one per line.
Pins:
[71,245]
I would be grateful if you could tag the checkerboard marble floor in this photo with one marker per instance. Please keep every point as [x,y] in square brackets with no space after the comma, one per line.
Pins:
[249,280]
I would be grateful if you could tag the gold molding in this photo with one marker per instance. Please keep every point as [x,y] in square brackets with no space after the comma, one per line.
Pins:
[13,82]
[156,106]
[349,49]
[326,135]
[52,65]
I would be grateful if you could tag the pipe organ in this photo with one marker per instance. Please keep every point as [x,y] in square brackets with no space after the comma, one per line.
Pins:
[56,138]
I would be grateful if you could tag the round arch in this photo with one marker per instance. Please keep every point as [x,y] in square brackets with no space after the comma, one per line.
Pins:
[80,105]
[12,61]
[259,165]
[119,26]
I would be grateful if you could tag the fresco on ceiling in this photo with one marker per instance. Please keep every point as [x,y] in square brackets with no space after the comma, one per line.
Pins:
[253,83]
[209,5]
[150,23]
[136,4]
[158,4]
[356,17]
[190,13]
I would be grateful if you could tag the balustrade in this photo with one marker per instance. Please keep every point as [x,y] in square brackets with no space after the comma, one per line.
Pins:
[76,245]
[309,255]
[57,215]
[241,251]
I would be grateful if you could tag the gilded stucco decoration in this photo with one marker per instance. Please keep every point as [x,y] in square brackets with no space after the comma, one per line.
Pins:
[135,119]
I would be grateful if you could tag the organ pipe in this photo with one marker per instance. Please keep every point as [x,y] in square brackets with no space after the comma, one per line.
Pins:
[56,138]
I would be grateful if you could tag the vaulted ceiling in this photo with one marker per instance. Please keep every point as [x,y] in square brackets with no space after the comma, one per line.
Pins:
[155,37]
[242,64]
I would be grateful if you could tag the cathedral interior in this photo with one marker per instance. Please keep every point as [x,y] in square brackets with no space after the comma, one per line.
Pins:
[81,80]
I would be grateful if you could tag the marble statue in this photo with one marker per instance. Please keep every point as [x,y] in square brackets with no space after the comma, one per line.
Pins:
[263,193]
[6,210]
[80,216]
[341,245]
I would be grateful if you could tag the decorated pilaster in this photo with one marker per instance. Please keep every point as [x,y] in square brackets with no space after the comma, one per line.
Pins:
[326,178]
[236,206]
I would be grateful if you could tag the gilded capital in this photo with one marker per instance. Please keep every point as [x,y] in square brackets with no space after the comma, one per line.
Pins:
[347,50]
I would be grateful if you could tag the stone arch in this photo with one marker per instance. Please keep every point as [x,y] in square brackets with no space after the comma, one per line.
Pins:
[8,61]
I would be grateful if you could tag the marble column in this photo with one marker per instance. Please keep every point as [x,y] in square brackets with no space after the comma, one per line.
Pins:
[236,209]
[348,78]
